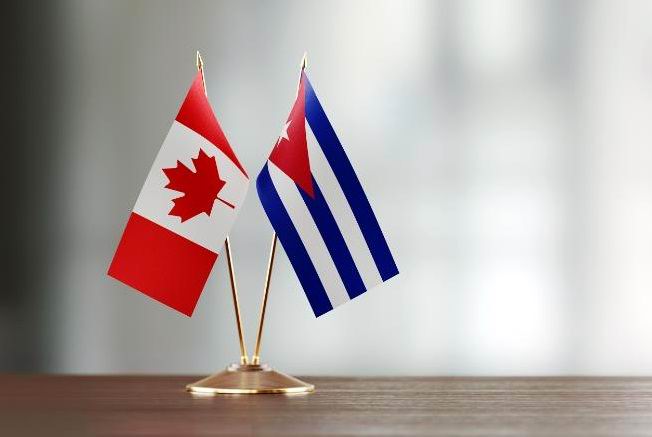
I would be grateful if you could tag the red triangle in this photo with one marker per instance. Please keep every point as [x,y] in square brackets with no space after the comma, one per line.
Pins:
[196,114]
[290,154]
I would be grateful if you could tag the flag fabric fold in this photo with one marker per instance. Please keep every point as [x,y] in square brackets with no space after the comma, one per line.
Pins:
[185,209]
[319,210]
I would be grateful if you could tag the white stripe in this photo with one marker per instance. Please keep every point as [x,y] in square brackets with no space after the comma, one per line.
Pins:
[310,236]
[343,214]
[155,201]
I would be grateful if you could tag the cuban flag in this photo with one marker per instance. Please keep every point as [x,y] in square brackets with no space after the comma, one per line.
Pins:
[319,211]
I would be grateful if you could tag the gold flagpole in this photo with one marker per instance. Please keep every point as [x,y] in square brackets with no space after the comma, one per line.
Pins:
[227,246]
[270,264]
[268,277]
[254,378]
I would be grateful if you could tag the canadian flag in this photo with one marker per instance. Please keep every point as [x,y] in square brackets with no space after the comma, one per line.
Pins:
[185,209]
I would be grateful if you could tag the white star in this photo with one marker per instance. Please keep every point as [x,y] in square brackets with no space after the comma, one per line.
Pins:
[284,133]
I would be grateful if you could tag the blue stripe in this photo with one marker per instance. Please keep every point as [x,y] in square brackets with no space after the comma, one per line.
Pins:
[334,241]
[348,180]
[292,243]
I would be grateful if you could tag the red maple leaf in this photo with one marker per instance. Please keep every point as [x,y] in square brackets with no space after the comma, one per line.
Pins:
[200,187]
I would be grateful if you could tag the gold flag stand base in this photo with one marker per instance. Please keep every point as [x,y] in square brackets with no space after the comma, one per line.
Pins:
[249,379]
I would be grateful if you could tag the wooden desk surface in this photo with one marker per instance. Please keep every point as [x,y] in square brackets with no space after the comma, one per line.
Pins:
[155,405]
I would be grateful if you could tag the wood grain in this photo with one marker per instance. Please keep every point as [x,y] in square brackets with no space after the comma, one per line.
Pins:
[155,405]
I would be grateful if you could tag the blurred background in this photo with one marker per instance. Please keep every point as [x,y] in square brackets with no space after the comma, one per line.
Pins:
[504,145]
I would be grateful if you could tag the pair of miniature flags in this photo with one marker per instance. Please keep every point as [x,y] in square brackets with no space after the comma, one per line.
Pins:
[308,189]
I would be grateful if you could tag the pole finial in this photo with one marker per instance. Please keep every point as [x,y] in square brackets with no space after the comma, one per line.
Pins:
[200,68]
[304,61]
[199,61]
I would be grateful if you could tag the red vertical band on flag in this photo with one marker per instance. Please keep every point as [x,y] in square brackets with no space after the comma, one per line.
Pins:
[196,114]
[290,154]
[162,264]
